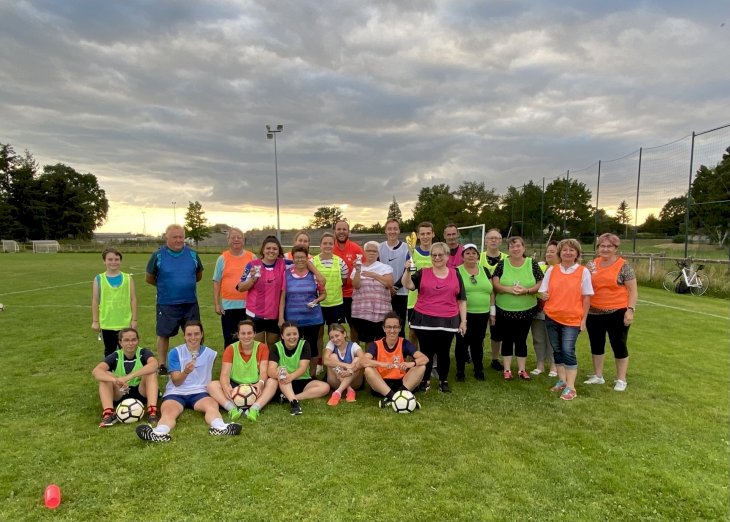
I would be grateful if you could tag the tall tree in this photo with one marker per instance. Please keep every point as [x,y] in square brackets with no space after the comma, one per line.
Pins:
[623,214]
[394,211]
[672,215]
[196,226]
[326,217]
[438,205]
[711,199]
[477,202]
[571,214]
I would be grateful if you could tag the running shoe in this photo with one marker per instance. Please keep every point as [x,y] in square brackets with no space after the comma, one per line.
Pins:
[619,385]
[146,433]
[507,374]
[252,414]
[351,395]
[230,430]
[108,420]
[334,399]
[594,379]
[384,403]
[235,414]
[496,365]
[558,386]
[444,387]
[524,375]
[568,394]
[296,409]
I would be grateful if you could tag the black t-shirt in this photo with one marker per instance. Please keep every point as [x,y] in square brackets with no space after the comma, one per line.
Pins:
[111,360]
[305,355]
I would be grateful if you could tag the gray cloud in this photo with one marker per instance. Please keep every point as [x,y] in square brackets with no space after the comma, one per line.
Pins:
[377,98]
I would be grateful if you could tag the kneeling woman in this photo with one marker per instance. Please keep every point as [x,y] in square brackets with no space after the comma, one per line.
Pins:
[244,362]
[190,368]
[344,372]
[289,364]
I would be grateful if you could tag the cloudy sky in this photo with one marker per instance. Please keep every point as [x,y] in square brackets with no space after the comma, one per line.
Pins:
[167,101]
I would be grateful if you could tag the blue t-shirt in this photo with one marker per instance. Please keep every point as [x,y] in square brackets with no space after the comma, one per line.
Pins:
[176,274]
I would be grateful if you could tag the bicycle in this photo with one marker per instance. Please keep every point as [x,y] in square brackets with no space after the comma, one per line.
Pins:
[688,276]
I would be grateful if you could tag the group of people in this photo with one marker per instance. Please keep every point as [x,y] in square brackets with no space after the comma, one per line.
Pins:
[274,308]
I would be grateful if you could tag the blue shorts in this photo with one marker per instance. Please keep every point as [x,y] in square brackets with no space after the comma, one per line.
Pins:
[187,401]
[172,317]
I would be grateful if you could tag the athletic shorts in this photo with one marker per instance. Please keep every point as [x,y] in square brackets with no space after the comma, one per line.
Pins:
[170,318]
[367,331]
[133,393]
[394,384]
[347,308]
[187,401]
[310,334]
[266,325]
[333,314]
[495,333]
[298,385]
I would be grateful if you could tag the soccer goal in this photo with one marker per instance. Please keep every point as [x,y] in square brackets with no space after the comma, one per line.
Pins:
[10,246]
[46,246]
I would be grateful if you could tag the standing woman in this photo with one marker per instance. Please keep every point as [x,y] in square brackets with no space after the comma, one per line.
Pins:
[480,312]
[264,280]
[516,280]
[334,271]
[229,303]
[612,309]
[300,302]
[301,239]
[372,281]
[567,292]
[439,312]
[540,341]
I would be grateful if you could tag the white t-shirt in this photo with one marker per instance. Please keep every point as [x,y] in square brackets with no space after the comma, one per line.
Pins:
[377,267]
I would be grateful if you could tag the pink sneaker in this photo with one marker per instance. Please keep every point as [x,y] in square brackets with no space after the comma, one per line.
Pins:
[335,399]
[507,374]
[568,394]
[351,395]
[524,375]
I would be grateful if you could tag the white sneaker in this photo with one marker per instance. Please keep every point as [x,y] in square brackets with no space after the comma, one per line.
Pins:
[535,372]
[594,379]
[619,385]
[553,373]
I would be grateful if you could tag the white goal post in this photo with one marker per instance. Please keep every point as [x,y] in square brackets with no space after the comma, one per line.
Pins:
[46,246]
[10,246]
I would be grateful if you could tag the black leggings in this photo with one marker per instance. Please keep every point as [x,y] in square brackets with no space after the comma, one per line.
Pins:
[476,331]
[436,342]
[598,325]
[514,330]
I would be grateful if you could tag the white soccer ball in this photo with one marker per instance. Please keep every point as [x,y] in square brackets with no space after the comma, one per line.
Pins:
[403,402]
[130,411]
[244,396]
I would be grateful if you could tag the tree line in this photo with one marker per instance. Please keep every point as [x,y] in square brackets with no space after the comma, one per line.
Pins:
[55,203]
[564,209]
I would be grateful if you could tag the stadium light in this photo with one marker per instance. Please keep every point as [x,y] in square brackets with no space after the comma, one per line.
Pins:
[271,135]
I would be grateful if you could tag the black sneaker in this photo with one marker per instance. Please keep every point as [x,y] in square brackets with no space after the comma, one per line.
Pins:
[108,420]
[162,370]
[230,430]
[385,402]
[496,365]
[296,408]
[146,433]
[478,376]
[460,377]
[424,386]
[444,387]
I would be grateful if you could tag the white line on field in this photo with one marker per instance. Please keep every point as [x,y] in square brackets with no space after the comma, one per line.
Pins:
[683,309]
[47,288]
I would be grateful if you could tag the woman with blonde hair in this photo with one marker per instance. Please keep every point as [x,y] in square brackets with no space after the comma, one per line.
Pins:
[566,290]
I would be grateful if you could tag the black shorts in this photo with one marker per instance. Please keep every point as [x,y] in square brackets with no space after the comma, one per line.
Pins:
[298,385]
[347,308]
[170,318]
[333,314]
[367,331]
[133,393]
[494,332]
[394,384]
[311,334]
[266,325]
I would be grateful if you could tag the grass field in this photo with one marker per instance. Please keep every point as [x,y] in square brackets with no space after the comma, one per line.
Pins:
[489,451]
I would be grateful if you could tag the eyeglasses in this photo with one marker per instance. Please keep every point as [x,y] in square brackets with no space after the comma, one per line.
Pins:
[391,327]
[438,255]
[473,279]
[491,238]
[371,251]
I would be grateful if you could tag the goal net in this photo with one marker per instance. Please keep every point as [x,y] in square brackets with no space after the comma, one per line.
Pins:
[10,245]
[46,247]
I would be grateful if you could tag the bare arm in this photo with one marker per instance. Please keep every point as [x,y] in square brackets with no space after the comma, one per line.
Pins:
[150,279]
[95,305]
[217,297]
[406,277]
[133,301]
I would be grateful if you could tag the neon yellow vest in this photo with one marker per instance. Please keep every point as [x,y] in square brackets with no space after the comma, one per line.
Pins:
[292,363]
[421,262]
[485,262]
[115,304]
[119,370]
[333,280]
[245,372]
[523,274]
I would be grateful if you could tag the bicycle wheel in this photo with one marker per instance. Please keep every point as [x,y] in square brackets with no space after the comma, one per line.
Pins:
[701,284]
[671,279]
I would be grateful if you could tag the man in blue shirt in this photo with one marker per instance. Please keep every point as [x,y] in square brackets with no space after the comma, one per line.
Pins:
[175,270]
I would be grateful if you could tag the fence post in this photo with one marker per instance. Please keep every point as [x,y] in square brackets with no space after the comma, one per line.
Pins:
[689,196]
[651,267]
[522,224]
[595,211]
[636,209]
[565,203]
[542,209]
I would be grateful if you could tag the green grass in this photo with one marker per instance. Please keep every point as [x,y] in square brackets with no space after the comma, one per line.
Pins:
[489,451]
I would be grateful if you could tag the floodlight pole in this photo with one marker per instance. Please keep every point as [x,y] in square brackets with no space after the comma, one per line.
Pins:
[271,135]
[174,212]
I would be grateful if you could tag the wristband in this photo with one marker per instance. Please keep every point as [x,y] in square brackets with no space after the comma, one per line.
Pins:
[493,310]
